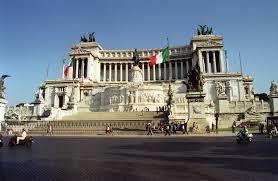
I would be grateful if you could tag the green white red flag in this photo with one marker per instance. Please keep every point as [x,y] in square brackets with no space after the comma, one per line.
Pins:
[161,57]
[69,68]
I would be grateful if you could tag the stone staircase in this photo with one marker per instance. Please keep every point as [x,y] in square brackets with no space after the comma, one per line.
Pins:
[88,123]
[148,116]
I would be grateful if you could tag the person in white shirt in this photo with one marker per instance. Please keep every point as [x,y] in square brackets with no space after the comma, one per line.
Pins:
[22,137]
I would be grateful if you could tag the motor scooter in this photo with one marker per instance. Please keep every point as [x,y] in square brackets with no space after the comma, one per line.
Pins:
[1,142]
[243,138]
[272,134]
[26,142]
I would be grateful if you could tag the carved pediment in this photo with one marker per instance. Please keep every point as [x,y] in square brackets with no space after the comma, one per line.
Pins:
[79,51]
[209,43]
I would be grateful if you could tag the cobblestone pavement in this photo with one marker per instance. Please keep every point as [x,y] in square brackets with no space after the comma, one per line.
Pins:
[140,158]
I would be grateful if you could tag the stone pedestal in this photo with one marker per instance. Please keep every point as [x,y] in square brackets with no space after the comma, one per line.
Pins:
[38,109]
[136,76]
[223,104]
[196,112]
[274,104]
[3,103]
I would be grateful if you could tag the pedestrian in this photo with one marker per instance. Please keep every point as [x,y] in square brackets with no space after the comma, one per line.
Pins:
[213,127]
[107,129]
[150,129]
[167,130]
[234,126]
[261,128]
[174,128]
[49,130]
[183,128]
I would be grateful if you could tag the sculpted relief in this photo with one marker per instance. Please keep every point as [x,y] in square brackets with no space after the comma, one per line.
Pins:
[19,113]
[197,110]
[220,88]
[116,99]
[150,98]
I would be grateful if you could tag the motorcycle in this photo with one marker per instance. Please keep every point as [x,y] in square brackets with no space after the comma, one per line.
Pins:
[272,134]
[1,142]
[243,138]
[26,142]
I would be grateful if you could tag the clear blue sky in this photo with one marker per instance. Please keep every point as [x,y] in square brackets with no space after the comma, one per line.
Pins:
[35,33]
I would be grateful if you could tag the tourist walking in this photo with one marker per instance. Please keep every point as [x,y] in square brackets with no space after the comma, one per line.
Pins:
[108,129]
[149,128]
[234,126]
[213,127]
[167,130]
[49,130]
[183,128]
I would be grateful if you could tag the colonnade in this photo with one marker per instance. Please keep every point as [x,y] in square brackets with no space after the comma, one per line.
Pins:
[119,71]
[212,61]
[81,68]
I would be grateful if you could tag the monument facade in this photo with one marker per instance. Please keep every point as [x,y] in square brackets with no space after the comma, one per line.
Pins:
[105,80]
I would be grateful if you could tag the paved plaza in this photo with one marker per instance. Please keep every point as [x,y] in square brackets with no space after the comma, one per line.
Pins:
[140,158]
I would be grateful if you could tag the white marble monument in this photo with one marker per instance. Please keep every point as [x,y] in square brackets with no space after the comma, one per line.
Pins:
[107,80]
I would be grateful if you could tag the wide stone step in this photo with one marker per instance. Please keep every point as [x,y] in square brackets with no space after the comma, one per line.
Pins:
[114,116]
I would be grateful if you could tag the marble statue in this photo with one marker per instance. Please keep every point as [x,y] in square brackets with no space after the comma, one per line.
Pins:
[273,88]
[2,87]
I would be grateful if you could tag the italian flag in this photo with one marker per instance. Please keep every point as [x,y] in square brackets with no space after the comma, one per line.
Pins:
[69,68]
[161,57]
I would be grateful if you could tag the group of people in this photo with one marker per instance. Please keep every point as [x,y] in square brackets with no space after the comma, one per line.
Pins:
[168,129]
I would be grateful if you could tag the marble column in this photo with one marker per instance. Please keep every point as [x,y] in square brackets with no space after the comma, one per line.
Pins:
[110,71]
[104,72]
[56,98]
[126,72]
[159,71]
[116,75]
[121,71]
[149,73]
[143,70]
[200,61]
[204,62]
[171,73]
[154,77]
[182,74]
[176,70]
[214,62]
[208,63]
[82,68]
[76,68]
[187,66]
[221,62]
[165,73]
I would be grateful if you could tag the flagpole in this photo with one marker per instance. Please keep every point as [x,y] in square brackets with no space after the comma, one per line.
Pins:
[47,71]
[240,62]
[63,69]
